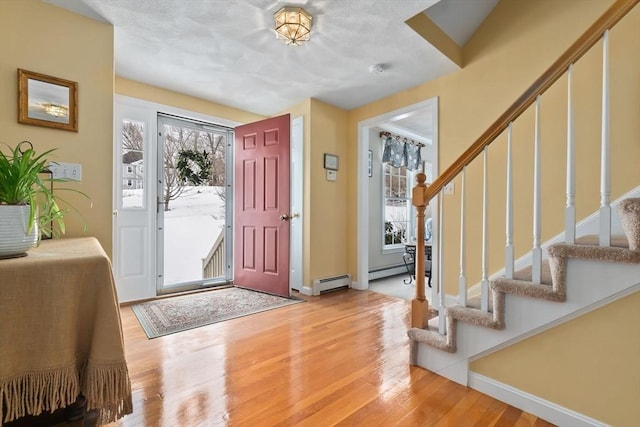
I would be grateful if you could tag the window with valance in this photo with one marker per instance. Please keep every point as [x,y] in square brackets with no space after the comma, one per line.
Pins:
[401,159]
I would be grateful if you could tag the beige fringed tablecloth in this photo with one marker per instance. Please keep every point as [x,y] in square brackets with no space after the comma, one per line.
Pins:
[60,332]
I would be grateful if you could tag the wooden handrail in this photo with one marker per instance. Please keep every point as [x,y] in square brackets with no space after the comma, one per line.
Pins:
[585,42]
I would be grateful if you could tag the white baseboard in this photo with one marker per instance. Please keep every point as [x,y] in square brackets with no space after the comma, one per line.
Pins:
[306,290]
[530,403]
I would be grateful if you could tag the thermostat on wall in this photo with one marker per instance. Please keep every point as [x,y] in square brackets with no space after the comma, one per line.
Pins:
[332,175]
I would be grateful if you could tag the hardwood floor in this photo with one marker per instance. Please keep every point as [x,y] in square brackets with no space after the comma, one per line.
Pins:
[339,359]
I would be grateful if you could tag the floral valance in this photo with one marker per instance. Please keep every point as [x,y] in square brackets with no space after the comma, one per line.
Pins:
[401,153]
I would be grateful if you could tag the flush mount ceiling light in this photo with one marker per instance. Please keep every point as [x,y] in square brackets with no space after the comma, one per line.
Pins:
[293,25]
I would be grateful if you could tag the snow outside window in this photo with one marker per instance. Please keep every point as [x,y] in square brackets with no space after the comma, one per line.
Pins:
[133,135]
[396,205]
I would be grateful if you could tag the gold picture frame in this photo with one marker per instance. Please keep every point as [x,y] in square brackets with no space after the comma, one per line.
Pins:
[47,101]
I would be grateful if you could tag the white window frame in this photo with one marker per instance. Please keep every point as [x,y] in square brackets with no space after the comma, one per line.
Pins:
[396,247]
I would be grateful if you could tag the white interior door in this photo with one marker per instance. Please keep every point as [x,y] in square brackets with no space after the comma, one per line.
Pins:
[297,188]
[134,206]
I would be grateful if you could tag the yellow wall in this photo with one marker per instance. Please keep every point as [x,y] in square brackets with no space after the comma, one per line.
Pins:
[39,37]
[158,95]
[603,382]
[516,43]
[328,199]
[325,131]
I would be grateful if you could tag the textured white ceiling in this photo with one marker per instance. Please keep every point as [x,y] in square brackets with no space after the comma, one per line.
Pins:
[415,125]
[225,51]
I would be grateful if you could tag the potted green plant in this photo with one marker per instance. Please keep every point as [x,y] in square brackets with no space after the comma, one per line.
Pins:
[29,207]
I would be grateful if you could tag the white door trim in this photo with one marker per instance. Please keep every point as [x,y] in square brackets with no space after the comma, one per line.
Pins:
[297,204]
[363,184]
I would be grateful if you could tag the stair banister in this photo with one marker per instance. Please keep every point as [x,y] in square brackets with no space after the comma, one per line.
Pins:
[442,326]
[590,37]
[605,177]
[560,67]
[419,305]
[484,284]
[570,210]
[462,279]
[508,247]
[536,251]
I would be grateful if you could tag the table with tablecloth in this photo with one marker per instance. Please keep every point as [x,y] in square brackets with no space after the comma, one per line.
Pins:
[61,333]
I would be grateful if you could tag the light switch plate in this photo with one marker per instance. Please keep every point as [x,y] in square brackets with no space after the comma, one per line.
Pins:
[449,189]
[332,175]
[71,171]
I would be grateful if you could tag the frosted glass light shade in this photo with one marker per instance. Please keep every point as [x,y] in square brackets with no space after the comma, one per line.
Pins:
[293,25]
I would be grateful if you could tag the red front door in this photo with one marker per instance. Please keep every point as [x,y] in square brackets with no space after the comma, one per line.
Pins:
[261,206]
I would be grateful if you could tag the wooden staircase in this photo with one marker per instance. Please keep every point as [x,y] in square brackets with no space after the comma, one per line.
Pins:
[558,280]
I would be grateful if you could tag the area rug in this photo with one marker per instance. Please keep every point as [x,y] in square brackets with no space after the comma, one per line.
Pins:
[175,314]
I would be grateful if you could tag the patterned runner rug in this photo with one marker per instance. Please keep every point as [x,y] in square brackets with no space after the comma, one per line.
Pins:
[175,314]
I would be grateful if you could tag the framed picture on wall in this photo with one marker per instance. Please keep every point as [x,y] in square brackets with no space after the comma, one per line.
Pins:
[47,101]
[370,164]
[330,161]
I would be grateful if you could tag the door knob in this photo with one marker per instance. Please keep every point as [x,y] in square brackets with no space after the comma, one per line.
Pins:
[284,217]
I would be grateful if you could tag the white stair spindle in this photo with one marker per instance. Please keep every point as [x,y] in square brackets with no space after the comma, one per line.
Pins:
[462,280]
[570,209]
[433,292]
[536,262]
[605,177]
[442,325]
[508,248]
[484,284]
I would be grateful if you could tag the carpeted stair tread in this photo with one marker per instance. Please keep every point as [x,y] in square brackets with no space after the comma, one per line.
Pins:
[525,274]
[474,316]
[617,241]
[594,253]
[521,284]
[629,214]
[528,289]
[476,302]
[432,338]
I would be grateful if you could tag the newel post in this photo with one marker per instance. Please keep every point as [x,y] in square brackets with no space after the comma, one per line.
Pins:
[420,305]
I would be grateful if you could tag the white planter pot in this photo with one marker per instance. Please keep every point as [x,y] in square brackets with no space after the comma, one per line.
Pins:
[14,239]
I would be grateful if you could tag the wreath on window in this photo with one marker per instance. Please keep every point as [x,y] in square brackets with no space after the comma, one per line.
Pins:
[193,167]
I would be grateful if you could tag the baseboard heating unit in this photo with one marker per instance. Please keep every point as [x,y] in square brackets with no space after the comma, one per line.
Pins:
[329,284]
[391,270]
